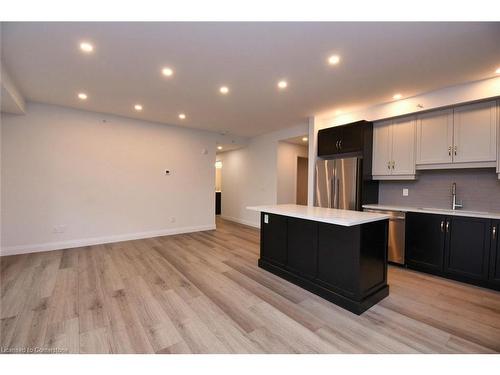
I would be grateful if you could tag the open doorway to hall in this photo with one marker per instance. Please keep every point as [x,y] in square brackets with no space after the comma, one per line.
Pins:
[292,168]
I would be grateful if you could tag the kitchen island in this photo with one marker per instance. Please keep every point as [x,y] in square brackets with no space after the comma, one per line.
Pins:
[340,255]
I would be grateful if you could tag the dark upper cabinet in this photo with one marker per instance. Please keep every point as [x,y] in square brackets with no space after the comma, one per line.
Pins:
[494,271]
[273,238]
[425,241]
[467,247]
[352,138]
[343,139]
[328,141]
[302,246]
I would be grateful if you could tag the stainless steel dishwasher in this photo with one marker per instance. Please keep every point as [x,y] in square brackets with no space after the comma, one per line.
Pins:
[396,245]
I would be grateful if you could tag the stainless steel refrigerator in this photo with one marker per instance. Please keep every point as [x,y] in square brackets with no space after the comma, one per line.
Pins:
[338,183]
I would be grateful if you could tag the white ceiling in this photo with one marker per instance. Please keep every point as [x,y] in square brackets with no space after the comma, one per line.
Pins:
[378,59]
[297,140]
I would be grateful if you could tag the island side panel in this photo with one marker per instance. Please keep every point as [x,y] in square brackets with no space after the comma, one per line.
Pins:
[373,257]
[338,259]
[273,238]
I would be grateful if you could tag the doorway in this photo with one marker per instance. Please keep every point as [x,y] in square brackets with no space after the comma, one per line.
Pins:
[302,176]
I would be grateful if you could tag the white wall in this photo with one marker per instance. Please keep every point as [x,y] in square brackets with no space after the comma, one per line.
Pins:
[249,175]
[104,181]
[287,171]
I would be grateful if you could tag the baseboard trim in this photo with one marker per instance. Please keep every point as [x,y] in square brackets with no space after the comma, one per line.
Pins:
[50,246]
[241,221]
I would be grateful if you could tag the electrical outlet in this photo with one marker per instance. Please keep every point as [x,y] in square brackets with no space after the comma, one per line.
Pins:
[405,192]
[266,219]
[59,228]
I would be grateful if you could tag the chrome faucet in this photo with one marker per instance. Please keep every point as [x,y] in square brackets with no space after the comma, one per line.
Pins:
[454,204]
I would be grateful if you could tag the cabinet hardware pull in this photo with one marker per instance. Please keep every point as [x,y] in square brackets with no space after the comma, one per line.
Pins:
[494,234]
[393,164]
[455,150]
[337,145]
[388,165]
[449,151]
[442,226]
[340,144]
[447,226]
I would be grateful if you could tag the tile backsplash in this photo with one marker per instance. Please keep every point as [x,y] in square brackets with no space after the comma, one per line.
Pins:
[477,189]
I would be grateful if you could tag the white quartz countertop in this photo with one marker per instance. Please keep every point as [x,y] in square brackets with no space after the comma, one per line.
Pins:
[325,215]
[430,210]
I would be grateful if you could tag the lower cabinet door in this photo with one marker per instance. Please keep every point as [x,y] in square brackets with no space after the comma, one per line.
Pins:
[425,237]
[494,271]
[302,247]
[273,242]
[336,264]
[467,249]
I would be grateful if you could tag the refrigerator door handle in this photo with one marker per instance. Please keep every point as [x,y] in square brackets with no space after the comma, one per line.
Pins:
[337,190]
[332,193]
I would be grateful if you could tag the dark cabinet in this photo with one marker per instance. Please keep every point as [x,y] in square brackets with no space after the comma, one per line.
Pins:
[467,247]
[458,247]
[351,139]
[328,141]
[273,238]
[494,271]
[425,240]
[342,139]
[302,246]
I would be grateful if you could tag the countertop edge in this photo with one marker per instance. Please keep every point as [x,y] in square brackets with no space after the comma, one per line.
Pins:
[436,211]
[340,221]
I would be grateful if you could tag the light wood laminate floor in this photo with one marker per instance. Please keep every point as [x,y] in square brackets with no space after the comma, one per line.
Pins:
[203,293]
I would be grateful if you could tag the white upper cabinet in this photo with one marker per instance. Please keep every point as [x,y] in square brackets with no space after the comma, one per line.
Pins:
[435,137]
[475,133]
[382,143]
[394,149]
[403,147]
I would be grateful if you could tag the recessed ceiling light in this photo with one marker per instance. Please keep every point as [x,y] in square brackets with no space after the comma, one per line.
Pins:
[167,72]
[497,71]
[397,96]
[182,116]
[304,139]
[224,90]
[82,96]
[282,84]
[86,47]
[219,147]
[334,59]
[138,107]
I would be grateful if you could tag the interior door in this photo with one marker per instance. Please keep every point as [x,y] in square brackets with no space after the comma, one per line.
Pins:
[382,148]
[475,132]
[403,147]
[435,137]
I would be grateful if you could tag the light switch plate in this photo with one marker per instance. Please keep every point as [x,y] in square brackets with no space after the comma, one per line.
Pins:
[266,219]
[405,192]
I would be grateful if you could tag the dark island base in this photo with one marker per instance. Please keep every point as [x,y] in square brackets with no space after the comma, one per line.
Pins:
[356,307]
